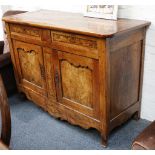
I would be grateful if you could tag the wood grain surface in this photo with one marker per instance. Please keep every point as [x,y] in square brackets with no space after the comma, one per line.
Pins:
[75,22]
[84,70]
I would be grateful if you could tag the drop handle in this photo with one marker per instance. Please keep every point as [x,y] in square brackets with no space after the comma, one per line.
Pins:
[56,77]
[42,70]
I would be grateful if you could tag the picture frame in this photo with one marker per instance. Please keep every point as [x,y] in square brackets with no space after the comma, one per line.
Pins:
[101,11]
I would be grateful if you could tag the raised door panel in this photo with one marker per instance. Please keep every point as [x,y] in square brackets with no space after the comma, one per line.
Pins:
[76,79]
[30,66]
[125,75]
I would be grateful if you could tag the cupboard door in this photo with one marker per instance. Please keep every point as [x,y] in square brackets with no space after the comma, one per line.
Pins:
[77,82]
[29,61]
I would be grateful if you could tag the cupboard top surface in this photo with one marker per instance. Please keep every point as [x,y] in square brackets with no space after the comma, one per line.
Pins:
[75,22]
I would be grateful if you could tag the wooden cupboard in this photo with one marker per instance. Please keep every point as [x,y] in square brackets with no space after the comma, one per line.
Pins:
[84,70]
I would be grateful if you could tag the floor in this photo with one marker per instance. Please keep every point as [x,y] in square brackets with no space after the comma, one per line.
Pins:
[32,128]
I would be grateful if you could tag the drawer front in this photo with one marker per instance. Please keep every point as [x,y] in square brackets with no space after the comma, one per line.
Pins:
[77,44]
[25,31]
[74,39]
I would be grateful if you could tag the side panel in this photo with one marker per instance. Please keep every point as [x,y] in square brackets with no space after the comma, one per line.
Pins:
[125,74]
[126,59]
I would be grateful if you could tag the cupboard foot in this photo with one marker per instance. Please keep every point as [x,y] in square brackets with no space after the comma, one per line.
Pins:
[104,141]
[136,116]
[22,96]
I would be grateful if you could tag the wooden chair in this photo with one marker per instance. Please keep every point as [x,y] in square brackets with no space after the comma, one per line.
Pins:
[6,67]
[6,71]
[146,139]
[5,118]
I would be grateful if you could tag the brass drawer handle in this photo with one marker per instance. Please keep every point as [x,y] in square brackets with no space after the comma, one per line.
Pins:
[56,77]
[42,71]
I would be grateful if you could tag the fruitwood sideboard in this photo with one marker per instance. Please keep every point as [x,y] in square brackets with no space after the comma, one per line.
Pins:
[84,70]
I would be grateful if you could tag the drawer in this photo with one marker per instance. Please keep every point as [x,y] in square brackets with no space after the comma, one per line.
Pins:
[77,44]
[26,31]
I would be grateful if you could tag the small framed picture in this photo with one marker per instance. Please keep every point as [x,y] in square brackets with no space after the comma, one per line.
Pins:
[102,11]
